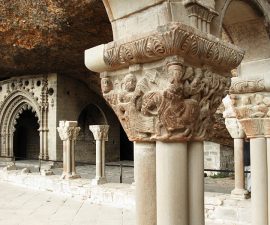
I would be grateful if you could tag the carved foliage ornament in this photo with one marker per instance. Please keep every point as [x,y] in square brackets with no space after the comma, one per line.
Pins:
[100,132]
[67,132]
[171,102]
[253,112]
[174,39]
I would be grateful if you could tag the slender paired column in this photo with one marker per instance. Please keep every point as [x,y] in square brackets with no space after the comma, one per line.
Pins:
[236,131]
[145,177]
[100,133]
[196,182]
[68,132]
[259,188]
[268,177]
[172,183]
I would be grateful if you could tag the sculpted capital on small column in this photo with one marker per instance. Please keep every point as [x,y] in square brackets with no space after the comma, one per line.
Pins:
[100,132]
[68,130]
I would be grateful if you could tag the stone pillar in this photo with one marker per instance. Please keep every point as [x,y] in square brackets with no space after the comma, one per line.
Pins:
[259,190]
[251,108]
[236,131]
[152,77]
[145,176]
[196,182]
[100,133]
[68,132]
[172,183]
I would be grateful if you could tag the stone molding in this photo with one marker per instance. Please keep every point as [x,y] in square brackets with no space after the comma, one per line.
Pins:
[234,127]
[173,39]
[100,132]
[68,130]
[170,101]
[240,86]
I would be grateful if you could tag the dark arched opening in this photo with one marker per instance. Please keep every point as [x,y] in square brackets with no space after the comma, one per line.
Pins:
[126,146]
[85,146]
[26,136]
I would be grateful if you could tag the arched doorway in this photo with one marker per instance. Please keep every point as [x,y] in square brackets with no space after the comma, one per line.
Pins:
[26,142]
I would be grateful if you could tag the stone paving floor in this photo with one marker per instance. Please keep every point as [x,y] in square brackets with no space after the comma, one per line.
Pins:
[21,206]
[220,185]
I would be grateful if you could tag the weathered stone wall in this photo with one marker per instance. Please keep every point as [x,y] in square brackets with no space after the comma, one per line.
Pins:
[75,100]
[219,157]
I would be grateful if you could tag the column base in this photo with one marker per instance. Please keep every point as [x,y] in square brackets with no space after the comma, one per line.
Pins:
[240,194]
[98,181]
[70,176]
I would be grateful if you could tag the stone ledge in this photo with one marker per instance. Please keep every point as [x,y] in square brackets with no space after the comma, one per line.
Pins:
[219,208]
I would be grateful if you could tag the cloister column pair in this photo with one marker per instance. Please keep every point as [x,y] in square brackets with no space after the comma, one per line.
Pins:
[251,102]
[164,80]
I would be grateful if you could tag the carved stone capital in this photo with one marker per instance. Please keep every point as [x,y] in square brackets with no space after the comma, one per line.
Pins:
[68,130]
[234,127]
[166,100]
[253,112]
[100,132]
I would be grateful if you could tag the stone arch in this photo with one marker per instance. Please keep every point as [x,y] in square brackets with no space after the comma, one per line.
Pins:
[91,114]
[14,104]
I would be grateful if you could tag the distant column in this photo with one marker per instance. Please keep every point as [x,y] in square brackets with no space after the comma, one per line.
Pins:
[68,132]
[100,133]
[237,133]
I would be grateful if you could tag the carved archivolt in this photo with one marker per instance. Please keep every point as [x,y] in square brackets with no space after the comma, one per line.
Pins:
[171,101]
[174,39]
[18,97]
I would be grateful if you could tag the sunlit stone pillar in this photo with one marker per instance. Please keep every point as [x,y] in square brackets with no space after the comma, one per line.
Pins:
[68,132]
[259,188]
[251,110]
[172,183]
[145,177]
[196,182]
[100,133]
[237,133]
[153,78]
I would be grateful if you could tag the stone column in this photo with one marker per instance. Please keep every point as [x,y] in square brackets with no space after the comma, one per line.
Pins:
[252,112]
[68,132]
[259,184]
[100,133]
[196,182]
[145,177]
[172,183]
[236,131]
[152,77]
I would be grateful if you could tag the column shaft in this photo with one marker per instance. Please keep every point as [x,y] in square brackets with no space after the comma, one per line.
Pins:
[259,189]
[196,182]
[268,168]
[172,198]
[239,163]
[98,159]
[145,176]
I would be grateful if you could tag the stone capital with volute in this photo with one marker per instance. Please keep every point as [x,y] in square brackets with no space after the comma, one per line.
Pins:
[100,132]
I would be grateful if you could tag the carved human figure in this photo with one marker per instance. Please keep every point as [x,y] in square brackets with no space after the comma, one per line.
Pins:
[106,85]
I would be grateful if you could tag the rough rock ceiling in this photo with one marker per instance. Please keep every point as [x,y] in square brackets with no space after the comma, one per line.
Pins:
[39,36]
[46,36]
